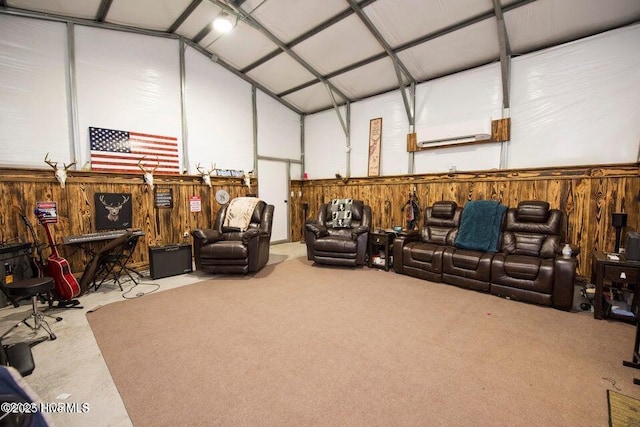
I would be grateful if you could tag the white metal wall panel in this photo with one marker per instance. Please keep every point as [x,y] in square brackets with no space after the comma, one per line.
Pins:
[375,77]
[327,50]
[324,145]
[288,19]
[278,129]
[153,14]
[77,8]
[543,22]
[33,92]
[128,82]
[281,73]
[401,21]
[458,105]
[296,172]
[311,98]
[577,104]
[219,115]
[395,126]
[465,48]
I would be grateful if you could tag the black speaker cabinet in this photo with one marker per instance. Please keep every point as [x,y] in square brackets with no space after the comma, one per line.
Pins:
[170,260]
[632,246]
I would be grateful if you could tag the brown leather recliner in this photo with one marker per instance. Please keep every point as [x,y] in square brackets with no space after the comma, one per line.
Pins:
[230,250]
[530,266]
[419,253]
[329,242]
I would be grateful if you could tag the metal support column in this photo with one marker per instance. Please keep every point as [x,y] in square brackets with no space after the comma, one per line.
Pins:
[72,96]
[345,122]
[254,110]
[505,68]
[183,108]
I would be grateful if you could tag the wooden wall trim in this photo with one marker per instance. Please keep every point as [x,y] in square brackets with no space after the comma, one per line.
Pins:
[617,170]
[46,175]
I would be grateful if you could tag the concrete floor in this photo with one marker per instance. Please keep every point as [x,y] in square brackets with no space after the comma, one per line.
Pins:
[71,369]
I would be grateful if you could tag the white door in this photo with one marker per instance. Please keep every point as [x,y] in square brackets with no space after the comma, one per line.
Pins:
[273,180]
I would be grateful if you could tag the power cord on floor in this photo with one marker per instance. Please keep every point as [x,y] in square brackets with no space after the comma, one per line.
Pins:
[125,295]
[613,383]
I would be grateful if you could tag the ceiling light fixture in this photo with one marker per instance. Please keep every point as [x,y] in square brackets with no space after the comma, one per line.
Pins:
[223,23]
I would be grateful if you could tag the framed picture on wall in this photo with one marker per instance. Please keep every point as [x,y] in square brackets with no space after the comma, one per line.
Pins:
[163,197]
[375,141]
[113,211]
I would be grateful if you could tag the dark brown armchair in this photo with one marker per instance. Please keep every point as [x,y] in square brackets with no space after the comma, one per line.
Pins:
[231,249]
[340,234]
[530,266]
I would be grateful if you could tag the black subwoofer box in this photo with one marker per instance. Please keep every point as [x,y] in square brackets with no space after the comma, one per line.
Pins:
[169,260]
[632,246]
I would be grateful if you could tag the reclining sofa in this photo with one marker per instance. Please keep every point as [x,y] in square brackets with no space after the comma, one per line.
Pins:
[526,263]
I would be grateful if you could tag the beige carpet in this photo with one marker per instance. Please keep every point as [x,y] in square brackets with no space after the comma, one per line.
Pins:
[299,345]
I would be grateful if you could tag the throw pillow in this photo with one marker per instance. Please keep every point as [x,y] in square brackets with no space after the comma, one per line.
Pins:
[341,213]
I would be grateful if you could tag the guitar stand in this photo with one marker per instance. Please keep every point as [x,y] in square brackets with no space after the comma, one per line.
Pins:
[50,300]
[72,303]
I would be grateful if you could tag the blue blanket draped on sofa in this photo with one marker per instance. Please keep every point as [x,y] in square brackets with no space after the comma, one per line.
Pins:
[480,225]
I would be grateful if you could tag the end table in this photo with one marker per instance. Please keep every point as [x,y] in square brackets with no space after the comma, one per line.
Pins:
[613,272]
[380,240]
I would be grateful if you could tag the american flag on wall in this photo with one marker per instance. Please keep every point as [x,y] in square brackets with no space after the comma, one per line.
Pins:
[120,151]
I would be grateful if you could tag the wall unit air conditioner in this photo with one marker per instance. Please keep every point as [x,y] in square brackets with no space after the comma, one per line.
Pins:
[455,140]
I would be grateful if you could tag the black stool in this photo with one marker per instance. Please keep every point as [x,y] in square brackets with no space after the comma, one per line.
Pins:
[32,288]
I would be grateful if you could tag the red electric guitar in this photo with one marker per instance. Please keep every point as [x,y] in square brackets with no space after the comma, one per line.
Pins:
[67,286]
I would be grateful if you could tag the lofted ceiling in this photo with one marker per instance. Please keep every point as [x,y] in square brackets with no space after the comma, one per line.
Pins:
[313,54]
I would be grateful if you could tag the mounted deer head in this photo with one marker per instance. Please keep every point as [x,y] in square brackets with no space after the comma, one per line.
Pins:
[345,179]
[247,178]
[206,176]
[148,173]
[113,209]
[61,173]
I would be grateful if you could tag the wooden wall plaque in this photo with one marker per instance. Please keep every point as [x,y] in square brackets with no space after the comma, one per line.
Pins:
[375,141]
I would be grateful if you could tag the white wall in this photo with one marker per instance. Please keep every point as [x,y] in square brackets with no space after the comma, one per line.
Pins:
[131,82]
[128,82]
[33,92]
[219,116]
[575,104]
[578,103]
[324,145]
[459,105]
[395,125]
[278,129]
[571,105]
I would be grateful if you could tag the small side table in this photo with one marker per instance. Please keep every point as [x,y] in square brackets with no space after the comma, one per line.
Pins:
[380,239]
[621,273]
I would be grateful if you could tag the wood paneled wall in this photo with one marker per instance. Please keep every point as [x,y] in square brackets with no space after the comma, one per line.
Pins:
[21,189]
[588,195]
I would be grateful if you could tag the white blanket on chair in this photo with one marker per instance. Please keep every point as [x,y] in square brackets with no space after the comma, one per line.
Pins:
[239,212]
